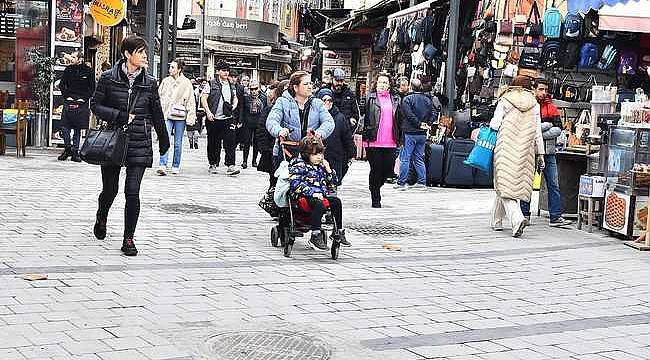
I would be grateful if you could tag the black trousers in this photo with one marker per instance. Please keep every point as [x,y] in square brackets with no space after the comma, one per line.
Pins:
[341,167]
[246,138]
[110,186]
[382,164]
[219,132]
[317,210]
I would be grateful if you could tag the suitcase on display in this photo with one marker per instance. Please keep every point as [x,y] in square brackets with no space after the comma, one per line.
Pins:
[482,179]
[435,164]
[456,172]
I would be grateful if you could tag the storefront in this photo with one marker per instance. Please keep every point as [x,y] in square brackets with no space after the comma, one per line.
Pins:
[24,29]
[250,47]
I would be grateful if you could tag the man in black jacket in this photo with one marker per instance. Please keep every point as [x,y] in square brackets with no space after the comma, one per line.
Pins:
[254,104]
[344,99]
[220,102]
[77,85]
[417,109]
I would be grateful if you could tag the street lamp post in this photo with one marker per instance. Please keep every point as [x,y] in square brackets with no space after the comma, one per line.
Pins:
[201,68]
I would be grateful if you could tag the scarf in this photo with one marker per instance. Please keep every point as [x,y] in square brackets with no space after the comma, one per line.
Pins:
[131,77]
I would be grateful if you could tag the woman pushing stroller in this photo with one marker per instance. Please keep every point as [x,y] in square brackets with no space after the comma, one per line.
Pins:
[312,186]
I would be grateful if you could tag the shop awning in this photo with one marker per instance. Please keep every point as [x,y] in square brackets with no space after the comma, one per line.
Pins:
[633,16]
[285,59]
[221,46]
[584,6]
[422,6]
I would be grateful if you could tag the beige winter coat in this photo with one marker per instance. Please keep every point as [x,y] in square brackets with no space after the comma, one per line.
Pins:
[178,91]
[517,120]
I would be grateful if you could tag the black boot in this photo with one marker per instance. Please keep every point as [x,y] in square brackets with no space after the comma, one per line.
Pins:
[66,153]
[100,227]
[76,157]
[376,198]
[341,237]
[318,241]
[128,247]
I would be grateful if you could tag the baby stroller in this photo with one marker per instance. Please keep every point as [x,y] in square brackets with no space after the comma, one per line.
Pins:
[294,220]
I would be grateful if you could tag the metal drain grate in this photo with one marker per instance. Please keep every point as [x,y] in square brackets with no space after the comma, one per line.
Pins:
[244,345]
[382,229]
[189,209]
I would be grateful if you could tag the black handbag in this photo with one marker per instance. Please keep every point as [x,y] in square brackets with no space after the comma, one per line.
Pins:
[570,92]
[107,145]
[529,59]
[534,27]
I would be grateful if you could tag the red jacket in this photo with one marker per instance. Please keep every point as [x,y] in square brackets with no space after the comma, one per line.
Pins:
[549,112]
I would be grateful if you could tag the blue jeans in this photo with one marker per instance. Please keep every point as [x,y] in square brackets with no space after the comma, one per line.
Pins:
[553,187]
[179,129]
[413,149]
[76,138]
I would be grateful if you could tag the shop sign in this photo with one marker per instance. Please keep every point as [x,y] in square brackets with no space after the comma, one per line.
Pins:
[244,62]
[108,12]
[239,29]
[268,65]
[337,57]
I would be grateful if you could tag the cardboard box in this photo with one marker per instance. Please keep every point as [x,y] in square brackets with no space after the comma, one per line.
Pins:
[592,186]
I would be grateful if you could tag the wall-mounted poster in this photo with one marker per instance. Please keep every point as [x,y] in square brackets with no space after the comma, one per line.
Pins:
[67,28]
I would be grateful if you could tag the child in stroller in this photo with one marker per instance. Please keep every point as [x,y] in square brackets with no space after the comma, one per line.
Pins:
[311,195]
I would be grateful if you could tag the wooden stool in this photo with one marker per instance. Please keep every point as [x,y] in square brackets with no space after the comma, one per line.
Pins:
[594,211]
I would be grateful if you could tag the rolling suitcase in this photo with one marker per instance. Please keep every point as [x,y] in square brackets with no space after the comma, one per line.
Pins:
[435,164]
[482,179]
[456,172]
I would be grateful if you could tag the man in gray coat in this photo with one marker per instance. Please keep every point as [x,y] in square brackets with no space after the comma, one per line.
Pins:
[551,130]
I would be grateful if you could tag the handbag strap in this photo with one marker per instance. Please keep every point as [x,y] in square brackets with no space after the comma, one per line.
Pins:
[533,11]
[505,15]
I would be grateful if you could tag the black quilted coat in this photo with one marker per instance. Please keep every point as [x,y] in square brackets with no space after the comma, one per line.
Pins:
[109,103]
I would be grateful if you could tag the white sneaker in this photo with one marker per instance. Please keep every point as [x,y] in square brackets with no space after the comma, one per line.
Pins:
[176,171]
[232,170]
[162,170]
[419,187]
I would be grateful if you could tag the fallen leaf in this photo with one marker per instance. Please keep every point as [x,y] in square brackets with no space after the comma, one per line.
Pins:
[392,247]
[33,277]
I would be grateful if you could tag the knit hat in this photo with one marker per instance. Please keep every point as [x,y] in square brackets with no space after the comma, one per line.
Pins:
[339,74]
[325,92]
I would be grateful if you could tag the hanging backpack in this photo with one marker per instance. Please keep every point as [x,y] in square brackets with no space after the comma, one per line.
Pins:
[403,36]
[569,54]
[572,26]
[382,40]
[607,58]
[588,56]
[426,29]
[550,56]
[590,25]
[552,22]
[629,61]
[534,31]
[415,33]
[529,59]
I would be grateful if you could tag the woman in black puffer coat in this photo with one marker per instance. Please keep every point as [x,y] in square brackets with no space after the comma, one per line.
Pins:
[339,146]
[127,95]
[265,140]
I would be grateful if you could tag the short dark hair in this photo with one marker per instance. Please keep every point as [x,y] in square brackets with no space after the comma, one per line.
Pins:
[541,82]
[179,63]
[310,146]
[523,81]
[221,65]
[133,43]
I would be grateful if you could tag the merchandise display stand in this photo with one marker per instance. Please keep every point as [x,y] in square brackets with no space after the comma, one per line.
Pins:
[643,241]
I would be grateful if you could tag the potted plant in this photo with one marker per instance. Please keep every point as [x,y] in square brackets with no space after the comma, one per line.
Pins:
[41,84]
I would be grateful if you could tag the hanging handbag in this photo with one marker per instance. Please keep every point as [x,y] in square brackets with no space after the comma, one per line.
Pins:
[519,21]
[586,89]
[482,153]
[268,204]
[510,70]
[505,24]
[534,28]
[570,92]
[107,145]
[513,55]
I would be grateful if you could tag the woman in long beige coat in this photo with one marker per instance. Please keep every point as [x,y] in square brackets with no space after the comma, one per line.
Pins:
[517,121]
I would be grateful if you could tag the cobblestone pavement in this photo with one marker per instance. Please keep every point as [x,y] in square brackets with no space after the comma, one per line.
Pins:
[207,284]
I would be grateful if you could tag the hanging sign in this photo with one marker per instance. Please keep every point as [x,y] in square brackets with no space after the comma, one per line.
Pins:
[108,12]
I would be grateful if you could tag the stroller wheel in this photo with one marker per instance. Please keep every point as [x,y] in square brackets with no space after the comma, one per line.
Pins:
[335,249]
[288,247]
[275,236]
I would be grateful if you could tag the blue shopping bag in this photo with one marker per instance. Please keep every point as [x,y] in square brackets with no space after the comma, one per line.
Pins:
[481,155]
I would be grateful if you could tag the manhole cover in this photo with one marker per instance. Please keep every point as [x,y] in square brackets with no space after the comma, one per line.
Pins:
[243,345]
[383,229]
[189,209]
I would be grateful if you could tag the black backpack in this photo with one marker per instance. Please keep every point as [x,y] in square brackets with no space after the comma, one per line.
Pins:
[569,54]
[590,25]
[426,29]
[550,56]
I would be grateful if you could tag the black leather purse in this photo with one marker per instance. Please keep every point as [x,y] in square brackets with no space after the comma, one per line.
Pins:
[107,145]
